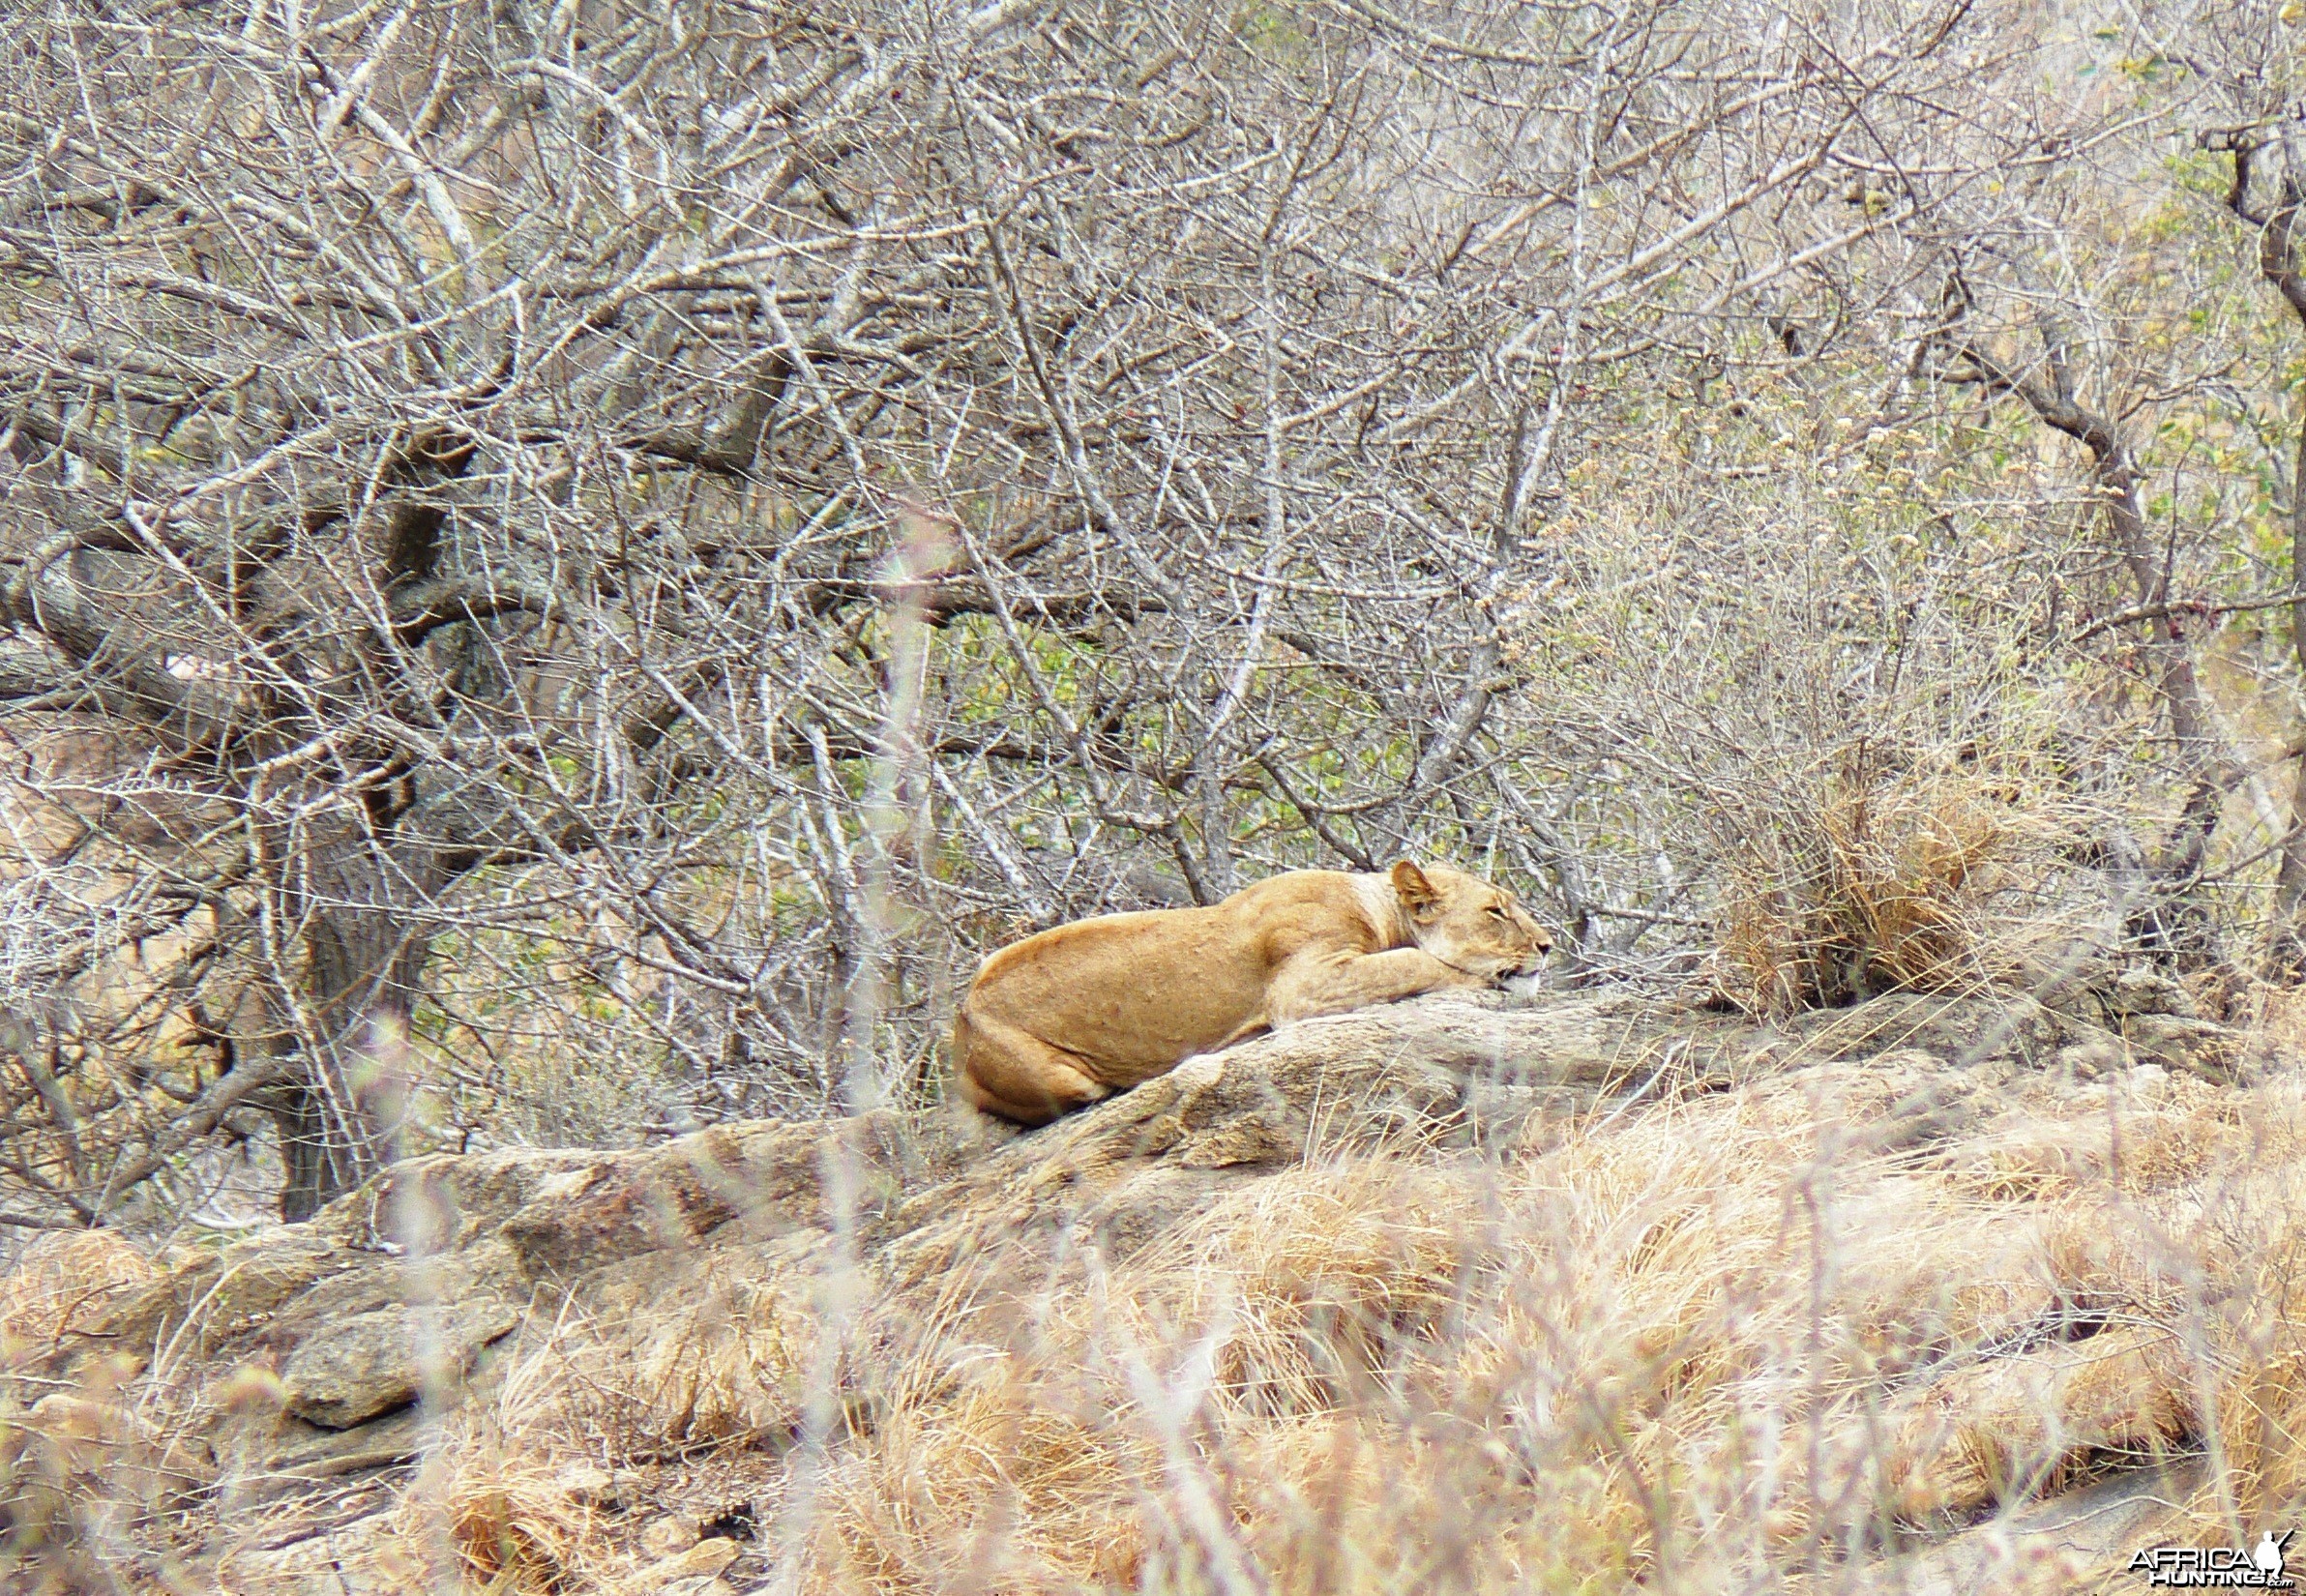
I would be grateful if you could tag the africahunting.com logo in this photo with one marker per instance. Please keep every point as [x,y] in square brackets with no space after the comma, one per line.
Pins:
[2218,1567]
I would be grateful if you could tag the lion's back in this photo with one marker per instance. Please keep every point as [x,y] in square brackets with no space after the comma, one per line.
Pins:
[1144,989]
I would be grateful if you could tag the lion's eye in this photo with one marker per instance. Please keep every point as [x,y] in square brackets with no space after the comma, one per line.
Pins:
[1498,910]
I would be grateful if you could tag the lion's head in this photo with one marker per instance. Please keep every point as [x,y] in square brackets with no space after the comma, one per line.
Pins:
[1468,924]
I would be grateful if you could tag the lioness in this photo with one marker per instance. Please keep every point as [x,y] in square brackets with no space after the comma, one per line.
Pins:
[1080,1011]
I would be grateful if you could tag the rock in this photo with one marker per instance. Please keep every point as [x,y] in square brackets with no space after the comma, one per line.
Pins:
[2199,1046]
[65,1281]
[441,1202]
[1966,1030]
[305,1452]
[485,1269]
[227,1292]
[2049,1546]
[380,1361]
[2089,1060]
[695,1572]
[764,1180]
[667,1537]
[356,1559]
[2142,989]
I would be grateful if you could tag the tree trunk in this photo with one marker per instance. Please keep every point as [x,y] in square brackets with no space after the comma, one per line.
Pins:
[340,1109]
[2172,922]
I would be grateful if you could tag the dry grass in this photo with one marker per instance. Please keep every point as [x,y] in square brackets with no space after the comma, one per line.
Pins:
[727,1357]
[82,1463]
[508,1498]
[1843,882]
[515,1515]
[518,1494]
[1706,1350]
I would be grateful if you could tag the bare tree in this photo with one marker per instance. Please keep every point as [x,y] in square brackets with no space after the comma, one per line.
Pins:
[2257,73]
[472,669]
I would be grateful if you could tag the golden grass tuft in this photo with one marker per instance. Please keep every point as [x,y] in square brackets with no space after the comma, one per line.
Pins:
[1020,1474]
[1848,882]
[725,1357]
[506,1510]
[1304,1284]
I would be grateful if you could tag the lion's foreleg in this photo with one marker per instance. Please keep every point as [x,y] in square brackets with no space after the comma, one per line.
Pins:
[1317,983]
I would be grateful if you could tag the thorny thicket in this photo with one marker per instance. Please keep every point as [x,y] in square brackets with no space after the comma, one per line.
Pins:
[567,564]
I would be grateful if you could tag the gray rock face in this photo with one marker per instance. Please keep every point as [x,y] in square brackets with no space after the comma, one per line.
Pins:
[379,1362]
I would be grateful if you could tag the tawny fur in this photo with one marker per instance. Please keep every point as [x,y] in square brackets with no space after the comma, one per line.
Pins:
[1080,1011]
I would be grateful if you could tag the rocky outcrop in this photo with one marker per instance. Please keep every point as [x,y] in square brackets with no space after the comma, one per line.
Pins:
[321,1353]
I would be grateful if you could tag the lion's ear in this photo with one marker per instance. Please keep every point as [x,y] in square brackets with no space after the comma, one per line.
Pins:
[1417,894]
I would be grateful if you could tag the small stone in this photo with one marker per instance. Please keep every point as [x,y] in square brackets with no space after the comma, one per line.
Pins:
[2145,991]
[1200,1072]
[590,1483]
[2086,1060]
[695,1572]
[667,1536]
[352,1561]
[307,1452]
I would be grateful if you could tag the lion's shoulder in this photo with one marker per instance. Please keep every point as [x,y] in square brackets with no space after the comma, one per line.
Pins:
[1304,907]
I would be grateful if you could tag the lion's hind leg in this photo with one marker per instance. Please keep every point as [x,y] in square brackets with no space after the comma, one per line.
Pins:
[1007,1071]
